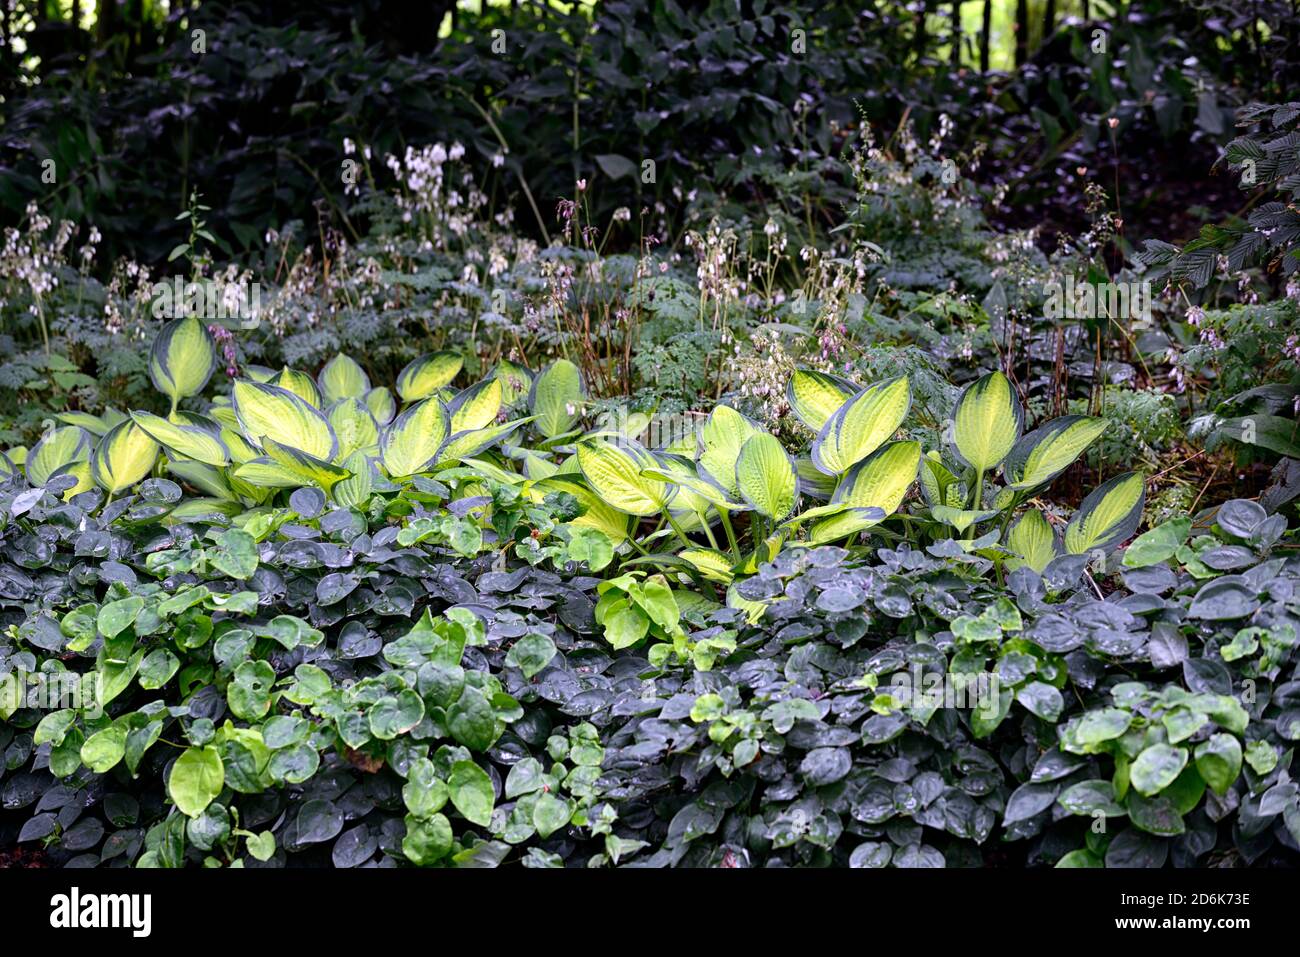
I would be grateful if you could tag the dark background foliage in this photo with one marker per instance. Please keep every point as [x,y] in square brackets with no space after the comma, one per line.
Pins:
[714,92]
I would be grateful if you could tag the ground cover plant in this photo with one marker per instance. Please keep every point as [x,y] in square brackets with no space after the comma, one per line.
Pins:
[876,484]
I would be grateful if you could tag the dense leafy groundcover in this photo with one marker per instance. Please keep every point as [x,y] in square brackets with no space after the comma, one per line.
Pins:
[356,666]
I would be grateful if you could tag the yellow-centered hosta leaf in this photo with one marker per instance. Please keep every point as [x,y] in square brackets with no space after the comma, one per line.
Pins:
[60,447]
[190,441]
[851,521]
[1049,450]
[713,565]
[987,421]
[409,444]
[424,376]
[815,396]
[694,493]
[300,384]
[812,481]
[183,358]
[614,473]
[766,477]
[555,398]
[475,407]
[203,510]
[1107,516]
[720,440]
[308,468]
[355,427]
[265,472]
[381,404]
[882,479]
[516,381]
[861,425]
[205,478]
[343,378]
[354,491]
[123,457]
[1033,541]
[268,411]
[463,445]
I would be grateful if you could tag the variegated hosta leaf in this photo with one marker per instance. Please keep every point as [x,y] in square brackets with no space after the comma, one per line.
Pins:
[183,358]
[686,443]
[1050,449]
[410,443]
[241,450]
[60,447]
[987,421]
[516,381]
[766,478]
[861,425]
[300,384]
[343,378]
[818,511]
[355,427]
[882,479]
[712,565]
[308,468]
[196,420]
[123,457]
[690,491]
[259,373]
[596,512]
[850,521]
[614,473]
[475,407]
[381,404]
[815,396]
[223,411]
[268,411]
[354,491]
[424,376]
[720,440]
[190,441]
[7,470]
[537,467]
[264,472]
[465,444]
[82,472]
[813,482]
[94,424]
[1107,516]
[555,398]
[1034,542]
[203,510]
[489,469]
[625,426]
[754,610]
[205,478]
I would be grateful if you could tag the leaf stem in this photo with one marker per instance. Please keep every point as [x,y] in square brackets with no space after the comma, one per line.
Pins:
[731,533]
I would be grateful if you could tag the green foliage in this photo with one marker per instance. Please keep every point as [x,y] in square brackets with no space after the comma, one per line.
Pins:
[726,551]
